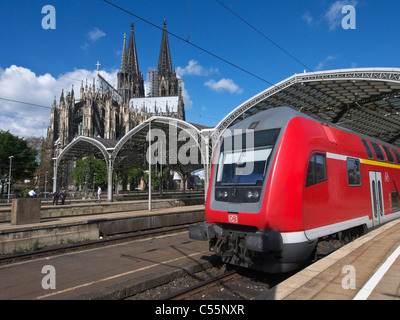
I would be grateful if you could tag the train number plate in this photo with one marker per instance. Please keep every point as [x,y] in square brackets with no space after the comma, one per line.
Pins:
[233,218]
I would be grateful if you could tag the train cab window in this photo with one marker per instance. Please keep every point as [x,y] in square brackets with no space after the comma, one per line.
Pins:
[316,172]
[353,172]
[389,154]
[395,201]
[378,151]
[367,147]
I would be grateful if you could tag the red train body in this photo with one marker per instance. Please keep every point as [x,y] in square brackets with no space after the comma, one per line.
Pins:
[292,186]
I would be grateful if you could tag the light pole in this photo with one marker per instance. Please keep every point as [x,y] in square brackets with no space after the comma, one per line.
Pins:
[94,181]
[45,184]
[9,178]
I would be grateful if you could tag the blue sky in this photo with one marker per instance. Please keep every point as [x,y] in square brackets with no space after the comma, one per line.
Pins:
[35,64]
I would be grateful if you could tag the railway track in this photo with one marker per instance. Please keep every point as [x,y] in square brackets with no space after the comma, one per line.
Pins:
[217,283]
[186,293]
[6,259]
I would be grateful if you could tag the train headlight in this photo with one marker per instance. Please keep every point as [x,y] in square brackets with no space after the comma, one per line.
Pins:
[252,195]
[221,195]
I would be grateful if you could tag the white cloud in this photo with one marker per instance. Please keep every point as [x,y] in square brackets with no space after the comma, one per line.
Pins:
[21,84]
[322,64]
[96,34]
[93,36]
[186,100]
[308,18]
[194,68]
[333,16]
[223,85]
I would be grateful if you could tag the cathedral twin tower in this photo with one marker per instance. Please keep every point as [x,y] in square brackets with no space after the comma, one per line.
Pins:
[106,112]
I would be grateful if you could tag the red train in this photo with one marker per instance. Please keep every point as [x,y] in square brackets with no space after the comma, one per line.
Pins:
[291,186]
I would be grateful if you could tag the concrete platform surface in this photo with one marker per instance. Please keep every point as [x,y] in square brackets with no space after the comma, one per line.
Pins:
[111,272]
[367,268]
[79,228]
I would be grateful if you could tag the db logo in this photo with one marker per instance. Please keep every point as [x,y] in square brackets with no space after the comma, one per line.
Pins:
[387,178]
[233,218]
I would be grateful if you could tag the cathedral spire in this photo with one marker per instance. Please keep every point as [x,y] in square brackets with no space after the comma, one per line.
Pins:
[123,62]
[133,65]
[164,61]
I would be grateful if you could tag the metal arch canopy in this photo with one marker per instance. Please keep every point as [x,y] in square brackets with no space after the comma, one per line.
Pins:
[363,100]
[83,146]
[131,150]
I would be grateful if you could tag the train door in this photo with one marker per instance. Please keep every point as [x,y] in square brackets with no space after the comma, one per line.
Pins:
[375,181]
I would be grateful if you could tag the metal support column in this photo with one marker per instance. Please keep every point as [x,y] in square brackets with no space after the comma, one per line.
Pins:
[110,180]
[149,165]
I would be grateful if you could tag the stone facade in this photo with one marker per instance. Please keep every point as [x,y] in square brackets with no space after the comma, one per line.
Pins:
[104,111]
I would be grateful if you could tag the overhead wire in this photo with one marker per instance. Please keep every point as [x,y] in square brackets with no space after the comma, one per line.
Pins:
[188,42]
[263,35]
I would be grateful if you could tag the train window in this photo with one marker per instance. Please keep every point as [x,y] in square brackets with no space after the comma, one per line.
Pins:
[397,155]
[367,147]
[353,172]
[389,154]
[378,151]
[395,201]
[316,172]
[246,163]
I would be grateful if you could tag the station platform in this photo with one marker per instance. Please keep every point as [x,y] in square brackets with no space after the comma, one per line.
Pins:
[60,229]
[365,269]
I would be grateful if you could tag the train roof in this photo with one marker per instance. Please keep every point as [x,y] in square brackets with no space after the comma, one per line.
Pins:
[280,117]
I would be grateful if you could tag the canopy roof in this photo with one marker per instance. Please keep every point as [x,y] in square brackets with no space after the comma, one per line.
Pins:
[130,151]
[363,100]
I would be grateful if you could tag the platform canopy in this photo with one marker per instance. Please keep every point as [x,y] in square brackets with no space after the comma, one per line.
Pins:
[173,141]
[363,100]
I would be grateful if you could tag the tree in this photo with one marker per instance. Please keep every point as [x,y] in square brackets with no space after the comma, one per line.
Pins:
[24,160]
[85,170]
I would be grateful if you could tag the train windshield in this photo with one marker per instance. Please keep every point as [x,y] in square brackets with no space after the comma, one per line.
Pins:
[246,163]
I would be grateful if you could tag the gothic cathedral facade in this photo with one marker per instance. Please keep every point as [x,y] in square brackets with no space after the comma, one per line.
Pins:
[105,112]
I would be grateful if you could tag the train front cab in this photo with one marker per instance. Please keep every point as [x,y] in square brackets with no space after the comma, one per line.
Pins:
[259,225]
[322,184]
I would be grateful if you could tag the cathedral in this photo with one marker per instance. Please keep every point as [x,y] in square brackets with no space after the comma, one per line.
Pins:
[107,112]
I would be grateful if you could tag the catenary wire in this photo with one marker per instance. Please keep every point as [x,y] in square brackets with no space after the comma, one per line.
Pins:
[188,42]
[263,35]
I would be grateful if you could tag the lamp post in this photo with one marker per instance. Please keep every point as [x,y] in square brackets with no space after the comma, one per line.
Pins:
[45,184]
[94,181]
[9,179]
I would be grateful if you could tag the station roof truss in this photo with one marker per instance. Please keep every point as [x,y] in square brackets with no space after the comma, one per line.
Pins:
[363,100]
[84,146]
[170,136]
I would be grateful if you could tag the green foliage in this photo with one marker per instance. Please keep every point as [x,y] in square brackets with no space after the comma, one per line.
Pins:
[156,178]
[85,169]
[24,162]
